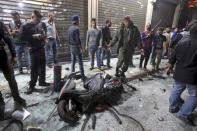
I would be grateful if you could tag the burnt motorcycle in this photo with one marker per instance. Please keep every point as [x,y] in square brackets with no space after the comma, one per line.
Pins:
[101,92]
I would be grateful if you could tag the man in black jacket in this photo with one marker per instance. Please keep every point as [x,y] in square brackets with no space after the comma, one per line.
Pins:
[185,76]
[34,33]
[7,69]
[106,38]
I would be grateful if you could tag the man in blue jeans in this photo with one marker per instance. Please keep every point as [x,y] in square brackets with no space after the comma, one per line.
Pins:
[50,48]
[76,48]
[185,75]
[94,42]
[20,45]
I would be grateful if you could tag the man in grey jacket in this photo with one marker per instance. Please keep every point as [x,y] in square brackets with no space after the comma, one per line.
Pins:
[94,42]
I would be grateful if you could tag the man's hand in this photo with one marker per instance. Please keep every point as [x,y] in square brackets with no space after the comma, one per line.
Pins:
[142,51]
[169,69]
[86,48]
[14,32]
[82,50]
[13,61]
[38,36]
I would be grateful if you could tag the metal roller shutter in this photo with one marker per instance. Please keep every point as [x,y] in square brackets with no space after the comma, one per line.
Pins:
[63,10]
[116,10]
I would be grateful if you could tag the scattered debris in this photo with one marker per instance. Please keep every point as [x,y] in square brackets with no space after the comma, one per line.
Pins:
[20,115]
[34,128]
[8,95]
[163,90]
[67,69]
[161,119]
[155,106]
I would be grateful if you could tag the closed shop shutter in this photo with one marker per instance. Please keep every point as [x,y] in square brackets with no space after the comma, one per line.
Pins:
[164,10]
[116,10]
[63,10]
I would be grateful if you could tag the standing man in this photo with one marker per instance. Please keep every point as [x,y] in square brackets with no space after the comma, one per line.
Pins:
[135,44]
[185,76]
[76,48]
[50,48]
[176,37]
[167,42]
[35,33]
[106,38]
[145,46]
[20,45]
[127,36]
[157,49]
[94,42]
[7,68]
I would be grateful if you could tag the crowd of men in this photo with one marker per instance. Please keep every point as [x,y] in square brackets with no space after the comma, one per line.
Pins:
[36,41]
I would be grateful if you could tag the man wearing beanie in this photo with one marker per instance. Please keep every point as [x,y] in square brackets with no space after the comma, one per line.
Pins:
[34,33]
[76,48]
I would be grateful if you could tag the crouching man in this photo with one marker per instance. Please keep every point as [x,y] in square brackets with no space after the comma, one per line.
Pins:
[185,76]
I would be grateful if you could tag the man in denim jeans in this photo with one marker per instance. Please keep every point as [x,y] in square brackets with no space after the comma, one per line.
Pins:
[94,42]
[185,75]
[20,45]
[76,48]
[50,48]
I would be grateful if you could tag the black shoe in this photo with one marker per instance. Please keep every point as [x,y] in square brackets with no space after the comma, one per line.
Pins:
[20,101]
[175,110]
[109,67]
[21,72]
[30,90]
[122,75]
[83,78]
[50,66]
[188,120]
[92,68]
[44,84]
[117,75]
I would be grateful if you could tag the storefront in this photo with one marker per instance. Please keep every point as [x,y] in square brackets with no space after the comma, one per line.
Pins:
[117,10]
[164,10]
[63,10]
[86,9]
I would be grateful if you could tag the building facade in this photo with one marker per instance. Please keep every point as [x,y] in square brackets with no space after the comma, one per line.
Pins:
[86,9]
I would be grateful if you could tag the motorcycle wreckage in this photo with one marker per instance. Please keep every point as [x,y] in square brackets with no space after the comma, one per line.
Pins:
[102,91]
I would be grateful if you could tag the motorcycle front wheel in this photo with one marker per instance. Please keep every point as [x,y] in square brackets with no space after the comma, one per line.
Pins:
[68,116]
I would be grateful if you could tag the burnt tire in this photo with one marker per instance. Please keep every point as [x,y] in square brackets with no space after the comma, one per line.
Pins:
[67,116]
